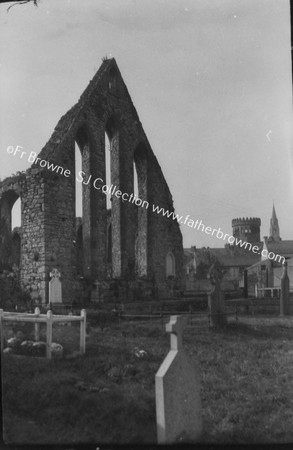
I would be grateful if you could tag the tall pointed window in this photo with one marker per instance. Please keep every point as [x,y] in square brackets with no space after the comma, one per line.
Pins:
[16,214]
[170,265]
[108,168]
[78,185]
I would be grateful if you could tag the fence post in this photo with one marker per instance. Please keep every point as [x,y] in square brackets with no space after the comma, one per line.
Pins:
[190,315]
[37,325]
[1,329]
[69,314]
[49,334]
[82,331]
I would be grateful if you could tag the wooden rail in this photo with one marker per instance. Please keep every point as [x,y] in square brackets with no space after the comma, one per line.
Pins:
[188,314]
[271,290]
[48,319]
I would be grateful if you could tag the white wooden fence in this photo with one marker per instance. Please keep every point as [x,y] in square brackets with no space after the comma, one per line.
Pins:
[275,292]
[48,319]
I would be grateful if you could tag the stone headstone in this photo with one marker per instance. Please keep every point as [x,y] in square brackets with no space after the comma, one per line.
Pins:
[55,287]
[216,298]
[284,297]
[178,403]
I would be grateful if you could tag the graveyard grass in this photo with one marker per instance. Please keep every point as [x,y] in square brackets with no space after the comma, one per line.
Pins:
[108,395]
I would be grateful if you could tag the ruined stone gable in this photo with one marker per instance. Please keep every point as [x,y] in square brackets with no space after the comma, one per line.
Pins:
[128,242]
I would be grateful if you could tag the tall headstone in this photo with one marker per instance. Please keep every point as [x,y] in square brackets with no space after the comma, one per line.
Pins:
[178,403]
[55,287]
[284,297]
[216,298]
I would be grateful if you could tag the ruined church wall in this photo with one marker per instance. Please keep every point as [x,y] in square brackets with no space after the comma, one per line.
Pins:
[30,188]
[141,239]
[33,264]
[59,230]
[164,234]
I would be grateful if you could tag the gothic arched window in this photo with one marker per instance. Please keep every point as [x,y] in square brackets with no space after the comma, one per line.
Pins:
[170,265]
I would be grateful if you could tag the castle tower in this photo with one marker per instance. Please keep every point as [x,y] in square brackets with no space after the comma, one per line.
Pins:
[247,230]
[274,227]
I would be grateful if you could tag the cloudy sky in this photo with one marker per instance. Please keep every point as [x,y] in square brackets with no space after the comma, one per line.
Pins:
[210,79]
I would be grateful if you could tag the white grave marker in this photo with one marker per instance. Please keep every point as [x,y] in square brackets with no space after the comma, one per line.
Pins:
[55,287]
[178,403]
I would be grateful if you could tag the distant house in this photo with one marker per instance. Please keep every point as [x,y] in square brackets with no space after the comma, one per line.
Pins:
[264,269]
[268,272]
[233,260]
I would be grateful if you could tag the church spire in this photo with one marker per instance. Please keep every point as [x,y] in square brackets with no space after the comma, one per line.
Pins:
[274,215]
[274,227]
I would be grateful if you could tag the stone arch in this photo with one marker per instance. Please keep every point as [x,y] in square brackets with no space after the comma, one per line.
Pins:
[7,201]
[108,170]
[51,232]
[78,185]
[112,125]
[82,136]
[10,244]
[170,265]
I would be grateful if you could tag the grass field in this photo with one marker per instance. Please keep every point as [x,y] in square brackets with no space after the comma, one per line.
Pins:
[107,396]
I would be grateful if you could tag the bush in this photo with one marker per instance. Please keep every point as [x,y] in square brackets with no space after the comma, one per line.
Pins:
[12,296]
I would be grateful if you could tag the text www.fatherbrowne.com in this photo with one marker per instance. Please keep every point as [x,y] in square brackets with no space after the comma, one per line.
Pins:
[97,183]
[198,225]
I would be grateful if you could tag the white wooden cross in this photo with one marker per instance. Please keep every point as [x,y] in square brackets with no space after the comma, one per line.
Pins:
[175,328]
[178,403]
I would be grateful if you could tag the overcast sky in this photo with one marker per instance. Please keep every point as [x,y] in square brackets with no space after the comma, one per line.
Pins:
[210,79]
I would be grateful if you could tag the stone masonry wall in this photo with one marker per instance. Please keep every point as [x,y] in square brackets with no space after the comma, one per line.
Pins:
[141,239]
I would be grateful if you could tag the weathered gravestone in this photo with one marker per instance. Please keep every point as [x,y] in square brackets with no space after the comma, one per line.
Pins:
[55,287]
[178,403]
[284,297]
[216,299]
